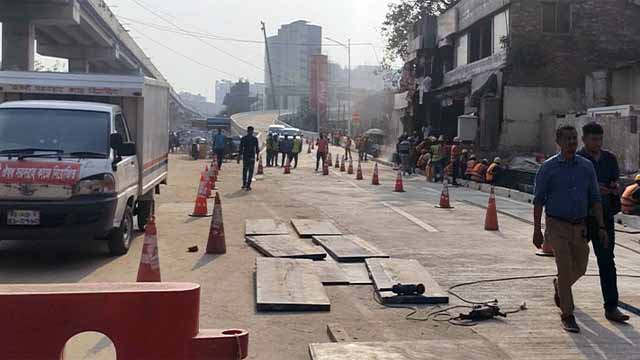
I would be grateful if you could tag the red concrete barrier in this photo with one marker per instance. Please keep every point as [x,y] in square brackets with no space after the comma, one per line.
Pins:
[143,320]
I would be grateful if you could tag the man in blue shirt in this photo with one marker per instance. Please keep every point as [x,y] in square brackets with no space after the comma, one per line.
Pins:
[608,173]
[566,187]
[218,146]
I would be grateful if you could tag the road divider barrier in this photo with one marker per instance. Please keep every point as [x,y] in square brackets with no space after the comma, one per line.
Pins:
[200,208]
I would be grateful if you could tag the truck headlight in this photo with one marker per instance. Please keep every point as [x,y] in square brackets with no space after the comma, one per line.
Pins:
[96,184]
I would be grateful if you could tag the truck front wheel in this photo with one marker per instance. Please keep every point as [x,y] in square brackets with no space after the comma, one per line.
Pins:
[120,238]
[146,209]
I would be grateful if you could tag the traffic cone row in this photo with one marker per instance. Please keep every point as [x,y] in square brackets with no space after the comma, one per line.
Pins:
[342,168]
[444,196]
[260,167]
[359,172]
[149,268]
[216,243]
[287,167]
[325,169]
[200,209]
[399,185]
[329,162]
[374,179]
[491,217]
[337,161]
[309,149]
[350,171]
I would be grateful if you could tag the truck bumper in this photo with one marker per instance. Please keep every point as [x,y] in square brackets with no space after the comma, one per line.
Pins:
[81,218]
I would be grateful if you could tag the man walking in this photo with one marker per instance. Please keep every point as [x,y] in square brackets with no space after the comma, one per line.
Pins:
[608,173]
[347,148]
[321,153]
[276,150]
[249,150]
[297,148]
[403,151]
[566,187]
[286,148]
[269,150]
[218,147]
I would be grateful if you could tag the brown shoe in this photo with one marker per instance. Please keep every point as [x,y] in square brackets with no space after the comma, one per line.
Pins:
[556,297]
[569,324]
[616,315]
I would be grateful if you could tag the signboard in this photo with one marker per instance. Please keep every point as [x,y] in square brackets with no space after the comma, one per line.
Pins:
[41,173]
[319,99]
[69,90]
[218,122]
[355,117]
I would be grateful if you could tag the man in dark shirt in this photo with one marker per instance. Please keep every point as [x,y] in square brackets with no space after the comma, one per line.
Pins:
[566,187]
[608,173]
[249,150]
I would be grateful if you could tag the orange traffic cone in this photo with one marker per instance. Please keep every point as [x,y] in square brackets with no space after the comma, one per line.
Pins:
[359,172]
[444,196]
[216,243]
[260,167]
[325,169]
[287,167]
[329,162]
[149,269]
[375,180]
[399,186]
[342,166]
[491,218]
[350,170]
[212,178]
[546,249]
[337,161]
[309,148]
[200,209]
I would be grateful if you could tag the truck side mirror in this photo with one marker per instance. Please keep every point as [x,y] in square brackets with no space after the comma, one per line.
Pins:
[116,141]
[127,149]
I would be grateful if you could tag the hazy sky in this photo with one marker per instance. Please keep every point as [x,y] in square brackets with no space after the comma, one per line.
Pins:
[359,20]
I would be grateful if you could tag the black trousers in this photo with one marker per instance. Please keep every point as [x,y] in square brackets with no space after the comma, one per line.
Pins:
[220,156]
[269,157]
[319,156]
[606,262]
[295,159]
[248,166]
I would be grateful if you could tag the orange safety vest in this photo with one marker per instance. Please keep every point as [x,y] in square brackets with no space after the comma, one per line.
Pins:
[491,172]
[470,165]
[627,200]
[477,174]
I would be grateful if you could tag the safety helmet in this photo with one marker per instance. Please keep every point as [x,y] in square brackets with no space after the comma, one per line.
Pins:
[637,177]
[497,160]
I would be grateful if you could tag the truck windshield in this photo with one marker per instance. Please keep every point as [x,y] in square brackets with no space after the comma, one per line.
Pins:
[69,131]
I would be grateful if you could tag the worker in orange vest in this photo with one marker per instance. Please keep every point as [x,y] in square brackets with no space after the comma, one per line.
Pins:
[631,198]
[471,164]
[493,171]
[479,171]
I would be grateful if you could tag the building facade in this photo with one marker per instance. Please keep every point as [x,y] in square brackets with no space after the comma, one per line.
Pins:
[513,64]
[290,51]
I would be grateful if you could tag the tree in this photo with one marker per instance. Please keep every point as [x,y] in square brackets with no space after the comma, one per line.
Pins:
[400,18]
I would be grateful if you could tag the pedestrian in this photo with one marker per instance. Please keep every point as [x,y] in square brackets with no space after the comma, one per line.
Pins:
[286,148]
[249,150]
[269,150]
[218,147]
[608,174]
[493,171]
[437,159]
[413,155]
[296,149]
[471,164]
[276,150]
[365,145]
[455,160]
[403,151]
[322,146]
[347,148]
[631,198]
[566,187]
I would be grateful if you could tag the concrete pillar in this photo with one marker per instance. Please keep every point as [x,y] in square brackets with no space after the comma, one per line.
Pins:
[79,66]
[18,45]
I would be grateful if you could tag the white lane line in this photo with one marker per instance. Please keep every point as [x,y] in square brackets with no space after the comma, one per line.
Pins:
[411,218]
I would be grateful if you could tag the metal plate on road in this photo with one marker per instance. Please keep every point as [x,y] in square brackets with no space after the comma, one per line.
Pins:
[23,217]
[348,248]
[265,227]
[356,273]
[285,246]
[309,228]
[284,285]
[408,350]
[328,271]
[388,272]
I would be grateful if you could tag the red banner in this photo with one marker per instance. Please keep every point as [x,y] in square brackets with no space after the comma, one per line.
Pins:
[42,173]
[319,99]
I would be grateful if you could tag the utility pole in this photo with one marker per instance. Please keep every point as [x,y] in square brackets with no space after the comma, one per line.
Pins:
[349,81]
[275,103]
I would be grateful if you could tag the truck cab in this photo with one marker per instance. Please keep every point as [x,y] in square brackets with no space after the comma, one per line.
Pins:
[80,169]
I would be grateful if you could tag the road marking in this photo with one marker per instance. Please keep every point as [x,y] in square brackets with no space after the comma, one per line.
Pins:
[432,190]
[411,218]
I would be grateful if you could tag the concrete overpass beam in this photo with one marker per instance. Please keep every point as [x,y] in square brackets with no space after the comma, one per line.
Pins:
[18,45]
[77,52]
[79,66]
[61,13]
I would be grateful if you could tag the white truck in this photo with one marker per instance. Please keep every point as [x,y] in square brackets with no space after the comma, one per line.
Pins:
[80,155]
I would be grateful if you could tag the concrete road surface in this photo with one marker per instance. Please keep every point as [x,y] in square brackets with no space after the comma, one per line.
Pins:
[451,244]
